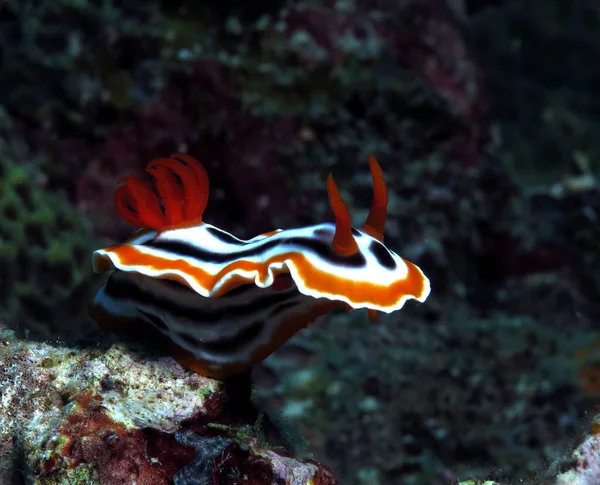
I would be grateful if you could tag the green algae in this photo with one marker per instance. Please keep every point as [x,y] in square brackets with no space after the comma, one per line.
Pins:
[44,244]
[82,473]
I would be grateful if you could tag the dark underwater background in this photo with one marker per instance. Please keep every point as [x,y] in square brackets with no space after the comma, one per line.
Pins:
[485,117]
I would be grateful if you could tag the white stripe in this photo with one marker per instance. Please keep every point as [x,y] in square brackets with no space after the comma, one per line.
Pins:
[199,236]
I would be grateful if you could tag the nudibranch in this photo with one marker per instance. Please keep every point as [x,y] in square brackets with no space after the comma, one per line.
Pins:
[222,304]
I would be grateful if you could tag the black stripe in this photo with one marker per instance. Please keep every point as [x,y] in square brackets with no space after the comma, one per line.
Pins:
[154,320]
[177,286]
[120,286]
[323,250]
[324,232]
[241,339]
[281,307]
[382,255]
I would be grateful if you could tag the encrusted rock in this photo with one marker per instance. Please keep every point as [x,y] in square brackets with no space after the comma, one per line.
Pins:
[103,414]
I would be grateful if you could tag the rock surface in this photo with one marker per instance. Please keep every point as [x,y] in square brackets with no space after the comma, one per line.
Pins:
[105,414]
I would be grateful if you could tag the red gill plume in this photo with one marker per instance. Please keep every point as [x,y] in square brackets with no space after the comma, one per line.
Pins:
[179,196]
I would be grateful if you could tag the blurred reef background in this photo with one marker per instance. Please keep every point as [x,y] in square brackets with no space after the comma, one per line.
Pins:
[485,116]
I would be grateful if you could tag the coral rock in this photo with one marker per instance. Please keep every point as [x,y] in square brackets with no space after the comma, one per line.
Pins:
[107,415]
